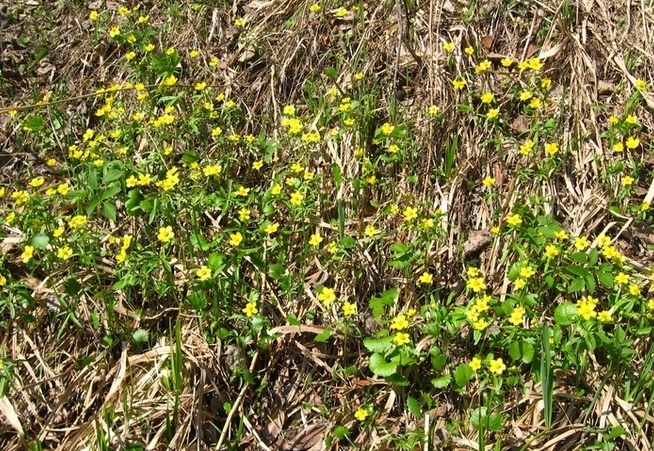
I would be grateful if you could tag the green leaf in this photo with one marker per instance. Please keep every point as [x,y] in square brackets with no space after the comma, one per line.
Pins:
[216,261]
[338,174]
[379,345]
[111,191]
[566,314]
[40,241]
[109,211]
[132,202]
[442,382]
[577,284]
[112,172]
[379,366]
[34,124]
[590,283]
[92,179]
[198,241]
[463,374]
[414,406]
[197,300]
[276,271]
[140,336]
[606,279]
[522,350]
[323,336]
[399,248]
[72,287]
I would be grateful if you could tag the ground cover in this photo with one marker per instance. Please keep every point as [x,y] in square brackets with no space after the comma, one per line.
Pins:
[297,225]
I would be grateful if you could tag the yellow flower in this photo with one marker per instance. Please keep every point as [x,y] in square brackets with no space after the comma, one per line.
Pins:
[525,95]
[496,366]
[193,54]
[257,165]
[527,272]
[613,119]
[527,146]
[27,254]
[622,279]
[627,180]
[401,338]
[514,220]
[535,64]
[427,223]
[433,110]
[399,322]
[3,281]
[235,239]
[488,182]
[493,113]
[545,83]
[634,290]
[483,67]
[244,215]
[520,283]
[315,8]
[114,31]
[517,315]
[631,119]
[370,231]
[605,316]
[410,213]
[618,147]
[211,169]
[641,84]
[469,50]
[387,128]
[458,84]
[632,142]
[296,198]
[535,103]
[250,309]
[349,308]
[93,15]
[476,284]
[506,62]
[448,46]
[271,228]
[551,148]
[341,12]
[58,232]
[165,234]
[495,230]
[551,251]
[242,191]
[475,364]
[64,253]
[129,56]
[77,221]
[200,86]
[203,273]
[37,181]
[315,240]
[561,235]
[581,243]
[487,97]
[239,22]
[426,278]
[644,206]
[327,296]
[361,414]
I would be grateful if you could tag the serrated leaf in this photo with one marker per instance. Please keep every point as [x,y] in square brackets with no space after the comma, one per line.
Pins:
[442,382]
[109,211]
[565,314]
[379,366]
[414,406]
[216,261]
[379,345]
[463,374]
[323,336]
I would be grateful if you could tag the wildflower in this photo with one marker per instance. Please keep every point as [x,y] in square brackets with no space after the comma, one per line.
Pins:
[235,239]
[495,230]
[250,309]
[243,214]
[561,235]
[257,165]
[349,308]
[475,364]
[296,198]
[506,62]
[332,248]
[425,278]
[200,86]
[618,147]
[129,56]
[631,119]
[473,272]
[27,254]
[627,180]
[480,324]
[341,12]
[114,31]
[211,170]
[634,289]
[496,366]
[93,15]
[401,338]
[605,316]
[488,182]
[433,110]
[3,282]
[469,50]
[370,231]
[551,251]
[545,83]
[213,62]
[165,234]
[315,8]
[143,19]
[586,308]
[242,191]
[581,243]
[526,272]
[149,47]
[622,279]
[458,84]
[271,228]
[535,103]
[520,283]
[493,113]
[361,414]
[514,220]
[315,240]
[535,64]
[517,315]
[526,147]
[632,142]
[327,296]
[644,206]
[410,213]
[387,129]
[77,221]
[64,253]
[551,148]
[239,22]
[525,95]
[476,284]
[482,67]
[448,47]
[37,181]
[641,85]
[399,322]
[58,232]
[487,97]
[276,189]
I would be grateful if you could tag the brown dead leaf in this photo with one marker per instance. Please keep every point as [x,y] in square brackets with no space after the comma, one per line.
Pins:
[520,124]
[487,42]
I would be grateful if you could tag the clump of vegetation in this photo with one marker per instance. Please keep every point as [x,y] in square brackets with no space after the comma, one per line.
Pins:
[264,227]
